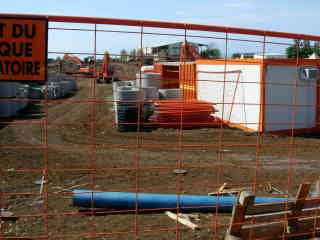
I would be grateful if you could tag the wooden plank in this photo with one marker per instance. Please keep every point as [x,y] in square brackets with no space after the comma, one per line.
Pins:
[312,202]
[280,216]
[281,206]
[302,194]
[225,193]
[294,218]
[273,230]
[237,220]
[225,190]
[183,220]
[245,200]
[270,208]
[230,237]
[310,223]
[277,230]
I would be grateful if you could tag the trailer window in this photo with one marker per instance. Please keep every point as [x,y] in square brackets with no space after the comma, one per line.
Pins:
[309,73]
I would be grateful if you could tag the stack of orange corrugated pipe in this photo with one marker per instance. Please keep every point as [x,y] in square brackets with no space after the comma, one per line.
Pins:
[184,114]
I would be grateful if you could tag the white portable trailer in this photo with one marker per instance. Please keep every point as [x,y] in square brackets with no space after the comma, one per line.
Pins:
[262,95]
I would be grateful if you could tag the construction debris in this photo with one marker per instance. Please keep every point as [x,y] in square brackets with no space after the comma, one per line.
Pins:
[281,220]
[180,171]
[226,190]
[57,86]
[272,189]
[184,219]
[13,98]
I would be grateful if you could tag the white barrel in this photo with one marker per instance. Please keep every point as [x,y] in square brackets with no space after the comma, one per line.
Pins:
[149,80]
[147,68]
[130,94]
[125,91]
[116,85]
[172,93]
[128,108]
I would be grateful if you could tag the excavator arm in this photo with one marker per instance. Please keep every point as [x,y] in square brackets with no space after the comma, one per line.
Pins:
[72,58]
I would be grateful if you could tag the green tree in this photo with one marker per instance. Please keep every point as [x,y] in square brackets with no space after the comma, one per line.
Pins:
[212,53]
[86,60]
[300,49]
[307,49]
[236,55]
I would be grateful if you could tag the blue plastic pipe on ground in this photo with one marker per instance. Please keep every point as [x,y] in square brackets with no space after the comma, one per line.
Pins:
[158,202]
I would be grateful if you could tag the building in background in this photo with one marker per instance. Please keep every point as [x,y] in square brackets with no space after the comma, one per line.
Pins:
[171,52]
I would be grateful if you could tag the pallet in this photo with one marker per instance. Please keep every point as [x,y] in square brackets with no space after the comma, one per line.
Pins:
[297,218]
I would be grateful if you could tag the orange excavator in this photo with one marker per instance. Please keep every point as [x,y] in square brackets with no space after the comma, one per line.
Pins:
[81,66]
[105,74]
[88,68]
[72,58]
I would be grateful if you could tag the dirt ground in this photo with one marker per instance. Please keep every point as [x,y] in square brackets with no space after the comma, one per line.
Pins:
[81,148]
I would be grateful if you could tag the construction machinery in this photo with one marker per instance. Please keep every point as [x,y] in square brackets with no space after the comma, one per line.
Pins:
[70,64]
[73,64]
[88,67]
[72,58]
[105,73]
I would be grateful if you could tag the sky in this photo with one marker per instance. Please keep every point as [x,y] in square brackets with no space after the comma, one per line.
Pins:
[279,15]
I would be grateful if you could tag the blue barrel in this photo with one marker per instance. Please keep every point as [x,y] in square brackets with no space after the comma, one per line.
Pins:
[158,202]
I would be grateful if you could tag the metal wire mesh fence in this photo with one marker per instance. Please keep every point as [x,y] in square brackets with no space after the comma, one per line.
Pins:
[187,145]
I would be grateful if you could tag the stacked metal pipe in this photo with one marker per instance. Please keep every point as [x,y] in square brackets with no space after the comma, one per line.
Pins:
[13,98]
